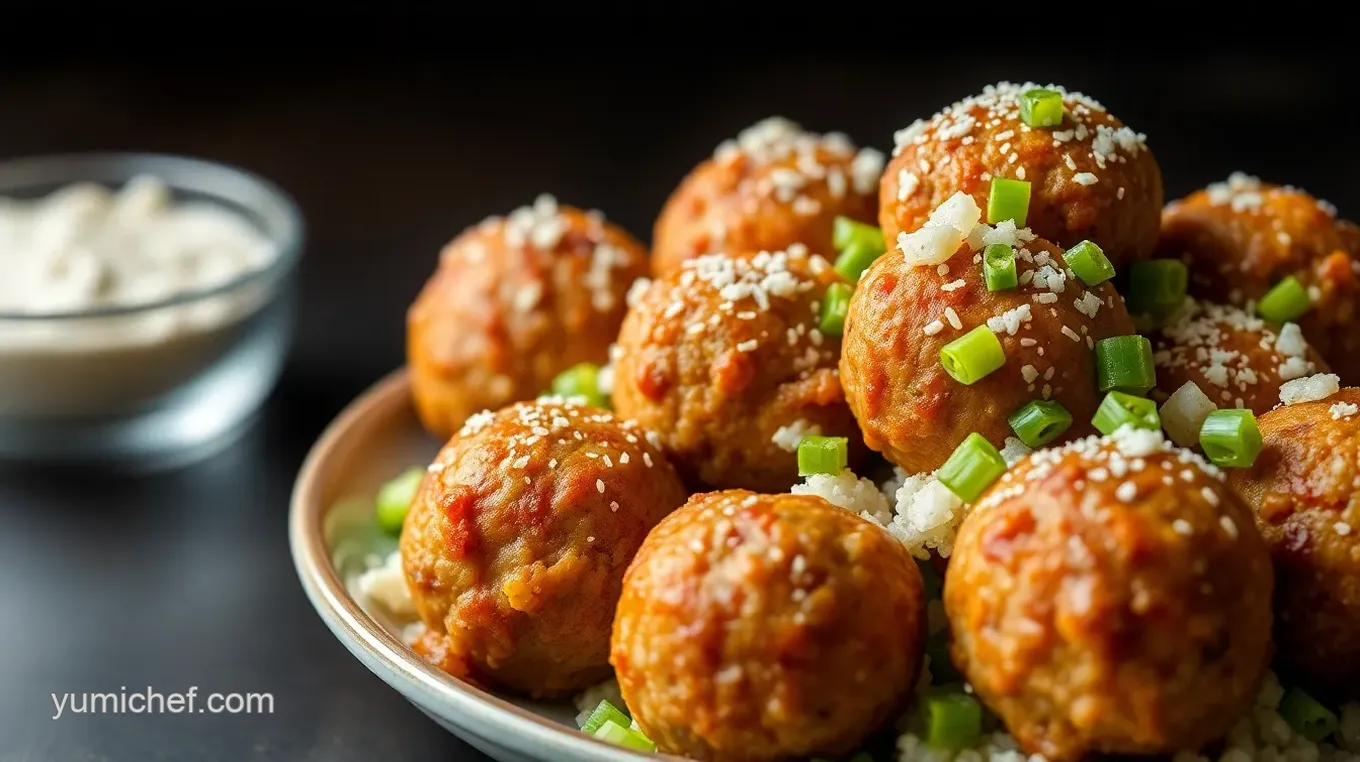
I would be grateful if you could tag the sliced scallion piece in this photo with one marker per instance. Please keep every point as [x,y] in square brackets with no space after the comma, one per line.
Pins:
[1089,262]
[1041,107]
[1040,422]
[998,267]
[835,306]
[1119,409]
[605,711]
[822,455]
[1284,302]
[1157,286]
[1124,364]
[973,355]
[620,735]
[972,468]
[581,380]
[952,720]
[1306,716]
[1231,438]
[395,497]
[1008,200]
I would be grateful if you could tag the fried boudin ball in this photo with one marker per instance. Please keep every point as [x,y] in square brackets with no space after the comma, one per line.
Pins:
[1237,360]
[720,355]
[767,627]
[901,315]
[515,547]
[772,187]
[1243,236]
[1111,596]
[1091,178]
[1305,488]
[514,302]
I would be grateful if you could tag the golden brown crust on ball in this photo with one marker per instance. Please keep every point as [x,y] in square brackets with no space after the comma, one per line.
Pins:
[1243,236]
[1091,178]
[719,355]
[1235,359]
[767,627]
[1305,489]
[914,412]
[517,541]
[513,303]
[772,187]
[1122,614]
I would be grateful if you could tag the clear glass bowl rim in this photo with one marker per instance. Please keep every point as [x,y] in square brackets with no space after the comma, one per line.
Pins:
[111,167]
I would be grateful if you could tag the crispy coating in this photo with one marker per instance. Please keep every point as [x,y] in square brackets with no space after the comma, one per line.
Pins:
[513,303]
[1235,359]
[1305,489]
[914,412]
[1091,178]
[515,547]
[1108,598]
[772,187]
[1242,236]
[767,627]
[719,355]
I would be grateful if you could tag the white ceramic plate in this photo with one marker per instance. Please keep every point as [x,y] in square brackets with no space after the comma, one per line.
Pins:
[372,440]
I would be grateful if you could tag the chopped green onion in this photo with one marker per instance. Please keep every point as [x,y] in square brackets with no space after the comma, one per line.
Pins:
[835,306]
[952,720]
[1008,200]
[1230,438]
[972,468]
[1040,422]
[1286,301]
[581,380]
[1119,409]
[998,267]
[604,712]
[854,260]
[1157,286]
[1089,262]
[613,732]
[973,355]
[822,455]
[395,497]
[846,233]
[1041,108]
[1306,716]
[1124,364]
[942,669]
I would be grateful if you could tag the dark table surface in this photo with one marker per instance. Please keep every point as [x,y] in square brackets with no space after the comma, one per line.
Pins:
[184,579]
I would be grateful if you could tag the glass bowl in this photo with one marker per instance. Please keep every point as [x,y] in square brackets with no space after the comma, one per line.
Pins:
[158,384]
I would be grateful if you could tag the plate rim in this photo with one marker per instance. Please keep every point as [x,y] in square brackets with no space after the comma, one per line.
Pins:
[461,704]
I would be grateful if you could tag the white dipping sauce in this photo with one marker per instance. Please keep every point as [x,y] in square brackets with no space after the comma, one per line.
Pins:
[84,248]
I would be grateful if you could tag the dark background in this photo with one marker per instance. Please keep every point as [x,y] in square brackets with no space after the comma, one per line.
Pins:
[391,146]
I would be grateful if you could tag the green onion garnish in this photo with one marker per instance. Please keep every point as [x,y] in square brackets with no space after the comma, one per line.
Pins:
[1041,108]
[835,306]
[1286,301]
[1119,409]
[854,260]
[998,267]
[846,233]
[1008,200]
[973,355]
[604,712]
[581,380]
[1230,438]
[1157,286]
[822,455]
[1040,422]
[394,499]
[1089,262]
[1124,364]
[972,468]
[620,735]
[952,720]
[1306,716]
